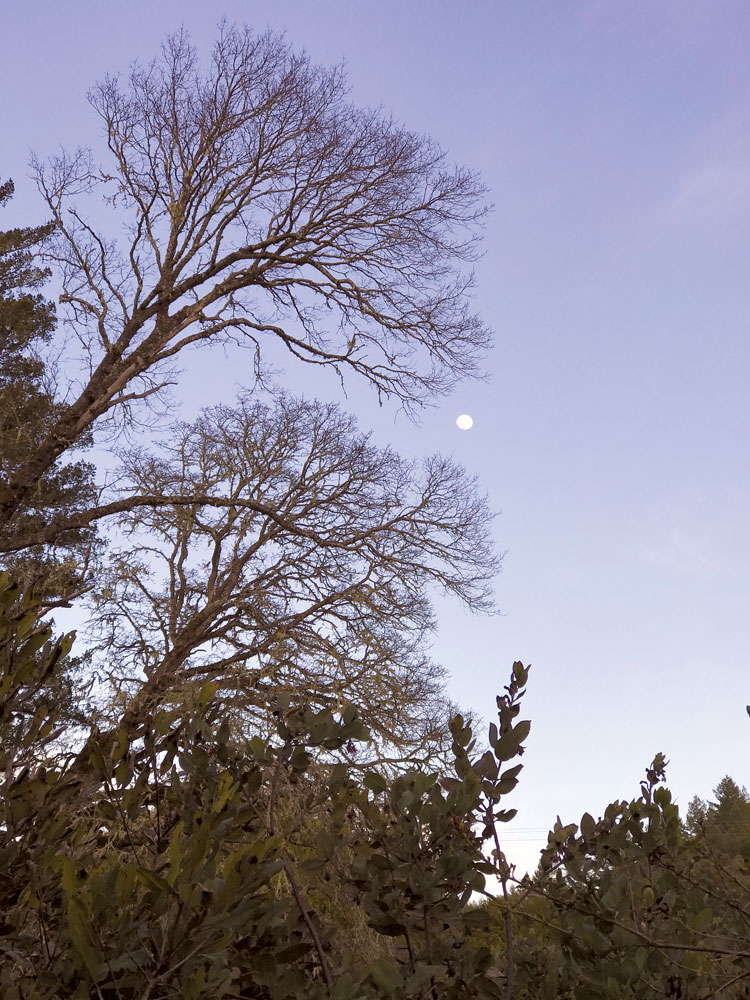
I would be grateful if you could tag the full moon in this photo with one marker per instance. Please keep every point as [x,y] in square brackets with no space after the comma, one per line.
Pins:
[464,422]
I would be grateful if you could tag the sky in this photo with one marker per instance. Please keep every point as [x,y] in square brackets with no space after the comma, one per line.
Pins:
[612,433]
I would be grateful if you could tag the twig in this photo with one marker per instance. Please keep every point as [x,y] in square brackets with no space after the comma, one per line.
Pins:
[308,920]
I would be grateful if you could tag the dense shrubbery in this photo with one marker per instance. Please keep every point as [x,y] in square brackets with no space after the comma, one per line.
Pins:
[636,904]
[179,861]
[175,861]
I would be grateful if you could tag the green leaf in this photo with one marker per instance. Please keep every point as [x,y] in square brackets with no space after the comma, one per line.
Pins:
[521,731]
[300,759]
[208,690]
[386,976]
[511,774]
[422,978]
[175,853]
[493,735]
[702,920]
[326,844]
[520,673]
[588,826]
[343,988]
[223,792]
[478,918]
[486,766]
[81,937]
[151,879]
[375,782]
[293,952]
[68,876]
[282,700]
[122,745]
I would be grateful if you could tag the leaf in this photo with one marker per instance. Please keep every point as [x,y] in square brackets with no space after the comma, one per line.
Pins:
[300,759]
[81,937]
[293,952]
[123,773]
[34,644]
[477,918]
[375,782]
[486,766]
[511,774]
[422,978]
[521,731]
[326,844]
[449,784]
[208,690]
[386,976]
[223,792]
[343,988]
[68,876]
[282,700]
[175,853]
[122,745]
[588,826]
[702,920]
[520,673]
[314,865]
[152,880]
[493,735]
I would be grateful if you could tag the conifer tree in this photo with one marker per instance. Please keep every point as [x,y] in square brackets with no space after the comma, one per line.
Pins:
[28,409]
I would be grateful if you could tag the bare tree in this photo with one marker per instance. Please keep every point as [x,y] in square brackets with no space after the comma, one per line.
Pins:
[257,202]
[311,574]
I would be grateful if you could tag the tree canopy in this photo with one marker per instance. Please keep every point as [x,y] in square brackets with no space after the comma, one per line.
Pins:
[254,202]
[310,572]
[258,203]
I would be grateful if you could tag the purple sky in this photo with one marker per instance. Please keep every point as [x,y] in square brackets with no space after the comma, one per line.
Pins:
[615,139]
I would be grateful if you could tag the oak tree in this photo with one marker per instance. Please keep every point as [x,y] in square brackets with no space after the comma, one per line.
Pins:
[283,551]
[256,203]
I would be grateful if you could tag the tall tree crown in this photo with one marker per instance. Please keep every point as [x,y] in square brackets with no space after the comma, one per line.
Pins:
[258,203]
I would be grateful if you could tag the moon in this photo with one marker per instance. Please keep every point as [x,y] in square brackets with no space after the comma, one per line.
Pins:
[464,422]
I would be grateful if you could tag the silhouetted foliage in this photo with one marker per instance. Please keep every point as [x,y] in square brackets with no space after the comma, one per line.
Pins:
[725,823]
[177,869]
[28,412]
[631,906]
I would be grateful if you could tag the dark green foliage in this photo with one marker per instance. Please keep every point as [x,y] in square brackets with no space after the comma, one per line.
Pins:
[29,660]
[631,906]
[28,410]
[725,823]
[176,860]
[198,865]
[24,318]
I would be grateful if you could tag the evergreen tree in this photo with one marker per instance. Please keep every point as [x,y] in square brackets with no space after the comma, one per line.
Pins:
[28,409]
[725,823]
